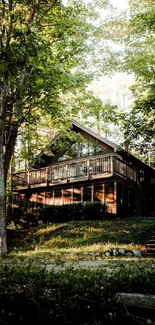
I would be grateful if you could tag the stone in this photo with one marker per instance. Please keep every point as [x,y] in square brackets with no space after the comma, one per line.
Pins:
[126,231]
[107,253]
[121,251]
[98,254]
[129,253]
[137,253]
[115,252]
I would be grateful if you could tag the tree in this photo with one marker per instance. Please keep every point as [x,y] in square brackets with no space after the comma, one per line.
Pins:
[96,113]
[133,34]
[41,44]
[140,59]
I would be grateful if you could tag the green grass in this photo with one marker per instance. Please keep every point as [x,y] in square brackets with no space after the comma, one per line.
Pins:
[31,295]
[79,240]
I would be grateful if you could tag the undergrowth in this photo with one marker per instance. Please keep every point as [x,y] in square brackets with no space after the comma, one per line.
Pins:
[77,240]
[33,295]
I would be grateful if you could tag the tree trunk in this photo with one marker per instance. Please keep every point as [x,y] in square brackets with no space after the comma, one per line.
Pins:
[9,150]
[3,241]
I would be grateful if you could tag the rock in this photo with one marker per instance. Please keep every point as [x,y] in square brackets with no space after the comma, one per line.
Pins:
[121,251]
[114,252]
[129,253]
[98,254]
[137,253]
[107,253]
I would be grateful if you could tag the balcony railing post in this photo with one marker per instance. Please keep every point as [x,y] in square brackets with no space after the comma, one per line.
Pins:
[46,176]
[112,166]
[66,173]
[88,168]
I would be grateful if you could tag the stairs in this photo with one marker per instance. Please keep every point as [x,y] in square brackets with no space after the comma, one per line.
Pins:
[150,246]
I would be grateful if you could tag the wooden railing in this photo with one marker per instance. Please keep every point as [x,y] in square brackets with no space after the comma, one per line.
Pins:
[125,170]
[80,168]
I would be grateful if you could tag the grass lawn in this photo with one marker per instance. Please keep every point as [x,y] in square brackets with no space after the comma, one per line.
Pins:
[33,290]
[79,240]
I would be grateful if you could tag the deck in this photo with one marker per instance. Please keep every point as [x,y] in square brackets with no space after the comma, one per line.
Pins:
[95,167]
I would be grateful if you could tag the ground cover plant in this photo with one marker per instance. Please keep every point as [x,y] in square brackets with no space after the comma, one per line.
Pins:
[78,240]
[33,295]
[38,286]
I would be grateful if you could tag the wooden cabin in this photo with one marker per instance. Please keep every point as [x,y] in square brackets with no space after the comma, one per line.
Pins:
[91,170]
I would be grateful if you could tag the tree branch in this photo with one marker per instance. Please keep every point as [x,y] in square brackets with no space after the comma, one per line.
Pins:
[46,11]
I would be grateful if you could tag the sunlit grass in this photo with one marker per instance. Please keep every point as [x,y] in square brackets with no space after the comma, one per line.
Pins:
[92,252]
[80,240]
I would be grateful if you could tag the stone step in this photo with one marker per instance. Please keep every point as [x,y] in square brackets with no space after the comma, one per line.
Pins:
[151,251]
[148,254]
[150,245]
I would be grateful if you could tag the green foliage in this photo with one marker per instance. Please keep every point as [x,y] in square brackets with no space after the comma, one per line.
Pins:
[61,213]
[140,59]
[30,294]
[133,34]
[98,114]
[78,240]
[43,48]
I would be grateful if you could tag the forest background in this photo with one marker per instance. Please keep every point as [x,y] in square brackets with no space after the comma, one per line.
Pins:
[51,54]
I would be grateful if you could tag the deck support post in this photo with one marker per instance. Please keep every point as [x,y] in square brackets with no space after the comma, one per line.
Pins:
[44,198]
[81,193]
[36,200]
[115,197]
[103,199]
[92,193]
[53,197]
[72,195]
[62,196]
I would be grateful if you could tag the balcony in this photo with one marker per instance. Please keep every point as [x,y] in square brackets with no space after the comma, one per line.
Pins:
[81,169]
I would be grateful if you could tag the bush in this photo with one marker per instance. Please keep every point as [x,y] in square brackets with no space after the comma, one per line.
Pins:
[61,213]
[30,295]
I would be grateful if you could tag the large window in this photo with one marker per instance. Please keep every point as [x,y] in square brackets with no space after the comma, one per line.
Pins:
[83,149]
[67,196]
[98,193]
[86,193]
[58,197]
[77,194]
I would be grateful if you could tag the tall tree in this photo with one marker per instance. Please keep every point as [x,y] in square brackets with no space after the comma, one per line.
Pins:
[132,50]
[41,44]
[140,59]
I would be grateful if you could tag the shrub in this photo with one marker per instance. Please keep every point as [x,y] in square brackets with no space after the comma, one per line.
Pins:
[30,295]
[61,213]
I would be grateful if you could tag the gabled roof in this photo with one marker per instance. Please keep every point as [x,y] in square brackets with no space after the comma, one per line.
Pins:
[92,136]
[78,126]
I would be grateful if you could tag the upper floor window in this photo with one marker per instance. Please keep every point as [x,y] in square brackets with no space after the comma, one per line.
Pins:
[141,175]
